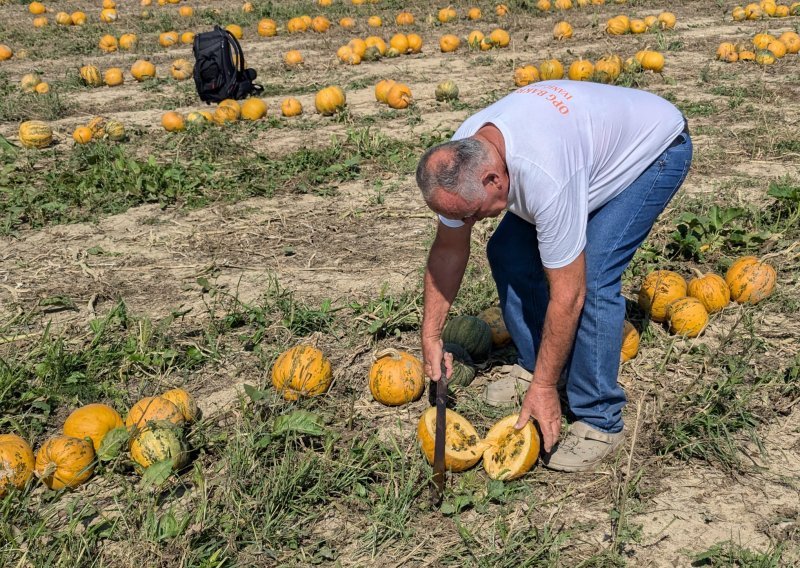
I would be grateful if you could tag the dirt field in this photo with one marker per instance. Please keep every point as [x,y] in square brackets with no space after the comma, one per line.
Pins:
[193,259]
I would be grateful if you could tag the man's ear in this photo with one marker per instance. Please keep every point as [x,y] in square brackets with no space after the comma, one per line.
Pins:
[491,181]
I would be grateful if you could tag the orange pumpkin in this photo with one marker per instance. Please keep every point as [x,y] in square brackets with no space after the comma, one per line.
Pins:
[449,43]
[291,107]
[659,289]
[184,401]
[128,42]
[630,342]
[414,43]
[396,377]
[236,30]
[181,70]
[382,90]
[302,371]
[320,24]
[330,100]
[253,109]
[551,69]
[92,421]
[16,462]
[687,317]
[500,38]
[143,70]
[749,280]
[494,318]
[267,27]
[113,77]
[562,30]
[404,19]
[581,70]
[153,408]
[5,52]
[399,96]
[64,461]
[711,290]
[399,42]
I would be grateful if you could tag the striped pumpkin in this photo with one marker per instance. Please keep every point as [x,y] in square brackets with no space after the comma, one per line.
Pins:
[35,134]
[64,461]
[471,333]
[90,75]
[185,403]
[711,290]
[396,377]
[160,443]
[463,370]
[749,280]
[659,289]
[301,371]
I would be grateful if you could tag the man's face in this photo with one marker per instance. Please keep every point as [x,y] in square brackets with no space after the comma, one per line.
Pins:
[493,202]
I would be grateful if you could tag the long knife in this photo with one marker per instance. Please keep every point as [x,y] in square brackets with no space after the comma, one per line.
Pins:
[437,489]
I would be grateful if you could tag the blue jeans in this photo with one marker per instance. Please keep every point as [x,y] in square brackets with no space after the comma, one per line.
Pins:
[614,232]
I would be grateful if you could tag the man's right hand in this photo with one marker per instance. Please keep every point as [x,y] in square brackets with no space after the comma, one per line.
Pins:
[432,354]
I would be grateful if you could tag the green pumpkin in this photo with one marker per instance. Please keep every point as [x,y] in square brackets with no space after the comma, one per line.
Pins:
[463,370]
[446,91]
[160,443]
[471,333]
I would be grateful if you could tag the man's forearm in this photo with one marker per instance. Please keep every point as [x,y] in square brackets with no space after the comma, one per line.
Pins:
[560,325]
[443,276]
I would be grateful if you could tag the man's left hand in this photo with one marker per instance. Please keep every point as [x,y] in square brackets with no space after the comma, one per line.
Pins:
[542,403]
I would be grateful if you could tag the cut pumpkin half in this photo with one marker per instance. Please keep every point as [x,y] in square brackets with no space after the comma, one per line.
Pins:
[463,446]
[509,453]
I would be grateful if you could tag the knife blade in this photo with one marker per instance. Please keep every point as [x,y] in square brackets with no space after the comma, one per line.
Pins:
[437,487]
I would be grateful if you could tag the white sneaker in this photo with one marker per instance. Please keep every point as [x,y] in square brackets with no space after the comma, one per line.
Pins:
[582,449]
[508,390]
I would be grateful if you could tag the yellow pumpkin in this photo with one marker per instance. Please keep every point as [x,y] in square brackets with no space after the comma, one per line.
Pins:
[247,7]
[198,118]
[396,377]
[475,38]
[347,23]
[761,41]
[414,43]
[113,77]
[765,57]
[474,14]
[5,52]
[377,43]
[302,371]
[40,22]
[291,107]
[781,11]
[128,42]
[91,76]
[494,319]
[510,453]
[16,462]
[184,401]
[617,26]
[35,134]
[108,15]
[320,24]
[358,45]
[29,81]
[236,31]
[399,42]
[186,11]
[153,409]
[92,421]
[630,342]
[581,70]
[253,109]
[738,14]
[687,316]
[666,20]
[753,11]
[543,5]
[638,26]
[778,48]
[607,69]
[711,290]
[404,19]
[63,461]
[463,446]
[160,443]
[659,289]
[551,69]
[181,69]
[563,4]
[501,10]
[769,7]
[143,70]
[652,61]
[42,88]
[224,114]
[500,37]
[749,280]
[650,21]
[382,90]
[267,27]
[187,38]
[98,127]
[115,130]
[330,100]
[449,43]
[725,50]
[63,19]
[296,26]
[36,8]
[399,96]
[374,21]
[746,55]
[168,39]
[562,30]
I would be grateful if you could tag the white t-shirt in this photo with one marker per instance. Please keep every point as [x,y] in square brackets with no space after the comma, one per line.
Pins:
[571,146]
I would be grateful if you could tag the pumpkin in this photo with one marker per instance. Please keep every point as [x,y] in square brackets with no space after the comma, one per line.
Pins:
[344,53]
[374,21]
[617,26]
[769,7]
[267,27]
[159,443]
[581,70]
[186,11]
[510,453]
[765,57]
[247,7]
[196,117]
[128,42]
[92,421]
[64,461]
[143,70]
[746,55]
[666,20]
[631,65]
[781,11]
[36,8]
[525,75]
[607,69]
[115,130]
[377,43]
[449,43]
[359,46]
[399,96]
[463,368]
[236,31]
[78,18]
[40,22]
[447,15]
[404,19]
[168,39]
[109,4]
[725,50]
[550,69]
[98,127]
[738,14]
[35,134]
[778,48]
[16,462]
[650,21]
[42,88]
[475,38]
[446,91]
[501,10]
[63,19]
[330,100]
[224,114]
[151,409]
[392,53]
[347,23]
[291,107]
[181,69]
[474,14]
[753,11]
[185,403]
[320,24]
[562,30]
[543,5]
[108,15]
[90,75]
[172,121]
[301,371]
[382,90]
[658,290]
[324,3]
[414,43]
[711,290]
[794,9]
[113,77]
[494,319]
[749,280]
[652,61]
[5,52]
[791,40]
[563,4]
[500,38]
[463,446]
[630,342]
[638,26]
[396,377]
[296,26]
[187,38]
[29,81]
[761,41]
[471,333]
[399,42]
[687,316]
[253,109]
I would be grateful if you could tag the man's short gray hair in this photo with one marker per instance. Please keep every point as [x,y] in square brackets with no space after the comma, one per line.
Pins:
[458,172]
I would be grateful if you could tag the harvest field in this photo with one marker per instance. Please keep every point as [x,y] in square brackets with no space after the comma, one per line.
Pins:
[194,258]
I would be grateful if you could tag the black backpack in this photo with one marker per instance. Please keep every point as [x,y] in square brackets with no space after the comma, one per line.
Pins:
[219,71]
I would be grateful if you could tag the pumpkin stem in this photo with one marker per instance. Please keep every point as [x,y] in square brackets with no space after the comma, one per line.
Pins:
[48,471]
[698,273]
[388,352]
